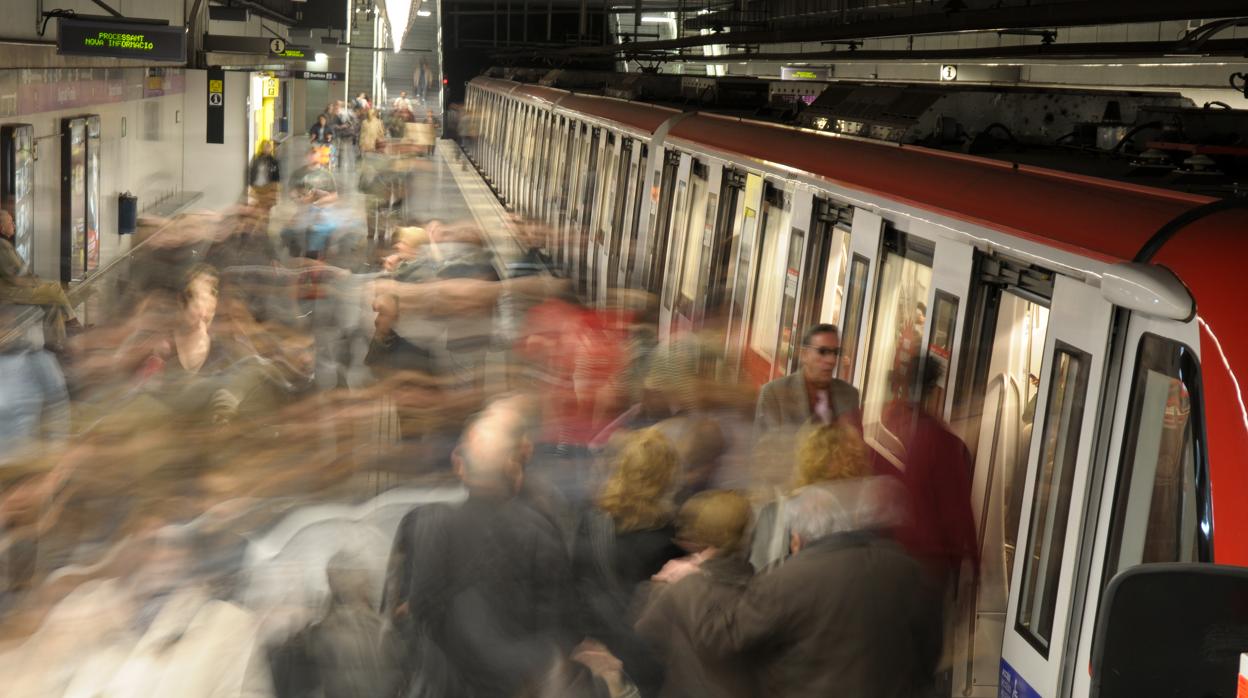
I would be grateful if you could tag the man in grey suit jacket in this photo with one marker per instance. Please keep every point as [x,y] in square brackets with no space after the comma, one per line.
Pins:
[813,393]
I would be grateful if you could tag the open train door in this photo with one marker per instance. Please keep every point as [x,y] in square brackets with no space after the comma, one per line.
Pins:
[675,244]
[864,252]
[1039,614]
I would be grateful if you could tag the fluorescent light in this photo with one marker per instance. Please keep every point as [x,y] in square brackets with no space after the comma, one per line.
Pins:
[321,57]
[423,13]
[656,19]
[399,13]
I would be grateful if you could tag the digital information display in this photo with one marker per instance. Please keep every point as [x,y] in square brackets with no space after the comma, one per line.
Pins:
[151,42]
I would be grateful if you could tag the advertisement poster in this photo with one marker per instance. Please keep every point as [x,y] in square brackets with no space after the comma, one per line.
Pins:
[73,198]
[17,179]
[92,242]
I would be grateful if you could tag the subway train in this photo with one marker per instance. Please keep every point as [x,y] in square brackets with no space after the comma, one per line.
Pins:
[1102,311]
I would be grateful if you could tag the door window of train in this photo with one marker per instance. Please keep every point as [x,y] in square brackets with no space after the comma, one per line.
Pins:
[788,307]
[770,278]
[1158,507]
[1054,480]
[939,353]
[634,225]
[905,279]
[854,307]
[675,233]
[694,232]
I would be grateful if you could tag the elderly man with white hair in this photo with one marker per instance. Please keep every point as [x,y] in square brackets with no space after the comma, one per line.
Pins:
[847,615]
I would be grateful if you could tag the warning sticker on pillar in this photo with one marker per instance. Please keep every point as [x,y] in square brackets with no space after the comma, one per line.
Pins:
[216,106]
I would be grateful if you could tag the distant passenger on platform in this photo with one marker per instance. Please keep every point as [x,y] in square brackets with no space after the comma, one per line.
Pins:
[372,132]
[19,288]
[265,176]
[362,102]
[317,134]
[814,393]
[402,103]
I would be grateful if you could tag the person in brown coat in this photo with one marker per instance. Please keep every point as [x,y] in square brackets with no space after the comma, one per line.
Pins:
[848,615]
[713,525]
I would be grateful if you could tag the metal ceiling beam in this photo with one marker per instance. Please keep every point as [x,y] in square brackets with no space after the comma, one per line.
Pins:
[1122,49]
[1049,15]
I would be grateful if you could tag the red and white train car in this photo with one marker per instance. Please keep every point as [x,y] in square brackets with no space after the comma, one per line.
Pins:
[1090,332]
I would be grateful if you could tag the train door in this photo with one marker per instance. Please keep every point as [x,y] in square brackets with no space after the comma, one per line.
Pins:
[631,233]
[539,163]
[760,324]
[607,199]
[997,391]
[1038,615]
[579,174]
[864,249]
[654,255]
[894,339]
[741,269]
[678,214]
[693,221]
[825,264]
[717,288]
[623,229]
[621,200]
[585,277]
[793,269]
[1152,498]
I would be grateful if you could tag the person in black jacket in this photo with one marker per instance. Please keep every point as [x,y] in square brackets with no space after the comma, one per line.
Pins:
[264,178]
[622,541]
[478,590]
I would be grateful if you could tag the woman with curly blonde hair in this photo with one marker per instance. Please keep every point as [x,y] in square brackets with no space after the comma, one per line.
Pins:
[825,453]
[832,452]
[622,541]
[635,494]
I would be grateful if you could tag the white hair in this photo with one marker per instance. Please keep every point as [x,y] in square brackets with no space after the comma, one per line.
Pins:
[840,506]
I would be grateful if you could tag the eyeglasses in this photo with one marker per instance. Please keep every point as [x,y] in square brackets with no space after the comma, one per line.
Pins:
[825,351]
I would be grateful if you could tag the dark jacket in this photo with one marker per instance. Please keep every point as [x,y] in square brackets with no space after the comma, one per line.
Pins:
[848,615]
[478,592]
[691,671]
[608,566]
[266,166]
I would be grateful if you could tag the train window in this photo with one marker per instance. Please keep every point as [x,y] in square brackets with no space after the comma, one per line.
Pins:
[788,307]
[694,238]
[1054,479]
[939,352]
[1158,505]
[674,231]
[634,225]
[895,342]
[769,283]
[853,316]
[606,200]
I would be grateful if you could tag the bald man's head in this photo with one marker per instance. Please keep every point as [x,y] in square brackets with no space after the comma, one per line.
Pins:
[494,448]
[7,229]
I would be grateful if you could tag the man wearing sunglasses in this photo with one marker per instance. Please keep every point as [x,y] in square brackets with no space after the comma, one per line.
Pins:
[813,393]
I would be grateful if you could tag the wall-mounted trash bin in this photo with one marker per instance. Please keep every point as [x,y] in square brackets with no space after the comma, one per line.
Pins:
[127,213]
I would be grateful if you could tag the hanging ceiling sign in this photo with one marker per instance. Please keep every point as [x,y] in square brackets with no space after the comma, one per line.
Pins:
[271,46]
[319,75]
[143,41]
[789,72]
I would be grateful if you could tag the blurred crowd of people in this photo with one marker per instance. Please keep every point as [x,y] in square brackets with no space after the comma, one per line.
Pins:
[317,451]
